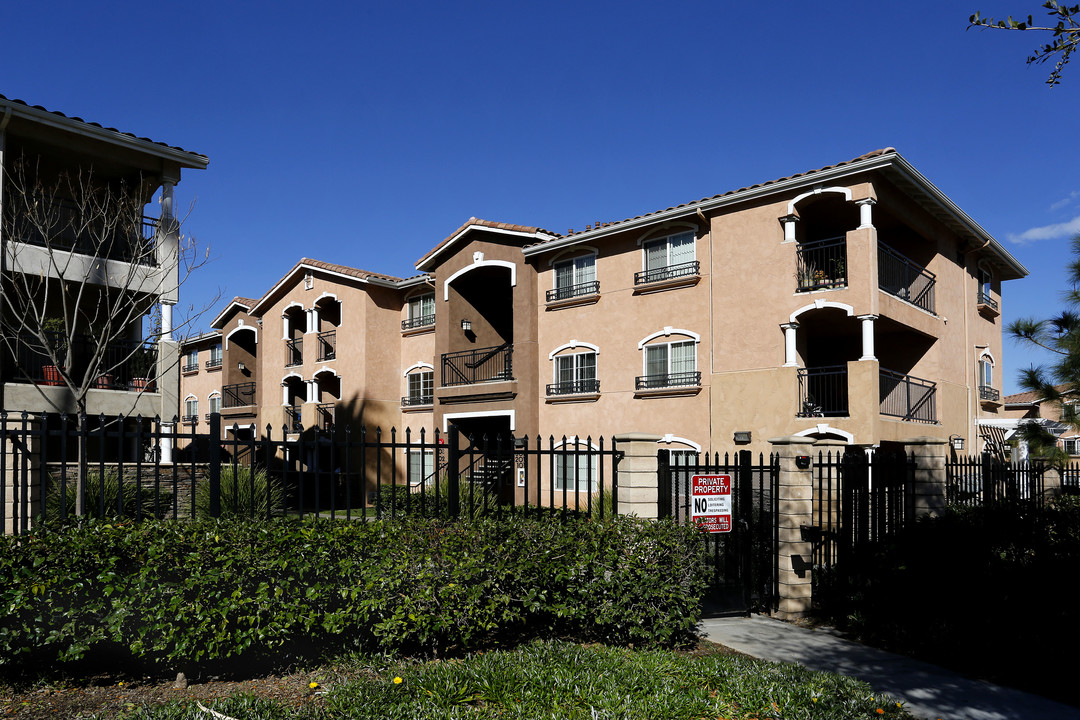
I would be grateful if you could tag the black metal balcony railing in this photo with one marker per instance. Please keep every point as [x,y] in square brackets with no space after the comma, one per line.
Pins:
[907,397]
[292,419]
[327,345]
[213,363]
[572,291]
[668,272]
[907,280]
[418,322]
[989,393]
[190,419]
[294,352]
[821,265]
[189,366]
[417,400]
[324,412]
[238,395]
[985,299]
[667,380]
[823,391]
[574,387]
[478,366]
[125,365]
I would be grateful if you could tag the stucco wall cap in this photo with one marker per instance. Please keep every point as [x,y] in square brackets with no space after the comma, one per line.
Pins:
[637,437]
[925,440]
[790,440]
[830,441]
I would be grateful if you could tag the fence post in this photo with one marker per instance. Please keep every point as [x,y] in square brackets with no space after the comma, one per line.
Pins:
[214,479]
[20,495]
[453,471]
[795,502]
[1051,483]
[929,454]
[639,483]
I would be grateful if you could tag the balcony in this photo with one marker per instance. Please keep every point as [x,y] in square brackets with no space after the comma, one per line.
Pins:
[905,279]
[238,395]
[574,387]
[324,415]
[989,394]
[292,419]
[191,419]
[72,231]
[907,397]
[569,292]
[190,367]
[294,352]
[823,391]
[420,321]
[667,380]
[687,270]
[469,367]
[327,349]
[821,265]
[986,305]
[125,365]
[417,400]
[214,363]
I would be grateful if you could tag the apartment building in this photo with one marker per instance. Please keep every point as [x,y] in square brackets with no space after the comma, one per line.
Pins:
[86,269]
[853,302]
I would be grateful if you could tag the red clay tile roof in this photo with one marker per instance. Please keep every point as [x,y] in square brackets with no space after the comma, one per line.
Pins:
[246,302]
[483,223]
[341,269]
[1029,397]
[16,101]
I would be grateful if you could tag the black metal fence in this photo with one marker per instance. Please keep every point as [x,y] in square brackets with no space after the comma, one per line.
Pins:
[115,466]
[987,480]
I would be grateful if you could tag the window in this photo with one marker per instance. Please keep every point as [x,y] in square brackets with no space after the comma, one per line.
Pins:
[215,404]
[215,357]
[421,312]
[576,469]
[421,388]
[191,361]
[421,467]
[1070,446]
[575,374]
[667,258]
[191,410]
[575,278]
[986,372]
[670,365]
[1068,412]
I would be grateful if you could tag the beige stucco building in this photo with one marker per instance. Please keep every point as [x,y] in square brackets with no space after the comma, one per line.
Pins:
[854,302]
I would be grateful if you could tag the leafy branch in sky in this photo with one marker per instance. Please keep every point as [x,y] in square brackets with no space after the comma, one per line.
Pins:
[1066,32]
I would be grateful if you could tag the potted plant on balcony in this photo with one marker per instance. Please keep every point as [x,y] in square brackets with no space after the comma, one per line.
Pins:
[141,368]
[55,331]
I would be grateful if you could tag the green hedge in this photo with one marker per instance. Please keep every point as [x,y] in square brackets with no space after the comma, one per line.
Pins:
[184,593]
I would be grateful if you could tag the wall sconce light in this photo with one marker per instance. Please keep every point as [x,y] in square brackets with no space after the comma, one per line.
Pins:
[957,442]
[241,366]
[466,326]
[742,436]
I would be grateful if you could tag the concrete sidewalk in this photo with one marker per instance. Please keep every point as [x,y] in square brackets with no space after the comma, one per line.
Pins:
[926,690]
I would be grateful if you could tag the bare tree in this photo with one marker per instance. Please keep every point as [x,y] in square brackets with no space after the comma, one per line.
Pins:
[82,273]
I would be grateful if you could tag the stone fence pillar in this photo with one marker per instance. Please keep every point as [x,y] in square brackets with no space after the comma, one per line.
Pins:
[795,555]
[638,484]
[20,486]
[929,454]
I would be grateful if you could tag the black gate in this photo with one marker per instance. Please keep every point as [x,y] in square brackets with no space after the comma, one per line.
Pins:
[742,563]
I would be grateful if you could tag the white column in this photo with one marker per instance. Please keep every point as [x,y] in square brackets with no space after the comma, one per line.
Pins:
[790,355]
[166,322]
[284,393]
[284,327]
[865,214]
[312,320]
[312,391]
[868,336]
[167,198]
[789,227]
[166,443]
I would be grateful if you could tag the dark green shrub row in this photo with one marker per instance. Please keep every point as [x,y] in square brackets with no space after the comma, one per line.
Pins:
[181,593]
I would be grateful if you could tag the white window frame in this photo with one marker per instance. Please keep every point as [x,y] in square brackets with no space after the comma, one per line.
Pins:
[576,367]
[415,308]
[191,407]
[191,360]
[667,241]
[668,350]
[578,275]
[986,371]
[585,459]
[1071,445]
[215,353]
[210,402]
[424,459]
[419,373]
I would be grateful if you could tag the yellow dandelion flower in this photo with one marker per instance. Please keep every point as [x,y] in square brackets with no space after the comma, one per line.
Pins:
[397,681]
[313,685]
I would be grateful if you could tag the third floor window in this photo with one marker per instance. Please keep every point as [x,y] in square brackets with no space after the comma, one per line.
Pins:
[421,312]
[574,278]
[668,257]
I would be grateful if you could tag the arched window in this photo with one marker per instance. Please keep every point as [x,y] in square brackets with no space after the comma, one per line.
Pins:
[191,410]
[574,369]
[669,359]
[420,385]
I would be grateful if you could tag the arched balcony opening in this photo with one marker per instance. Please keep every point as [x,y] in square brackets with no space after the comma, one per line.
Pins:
[821,233]
[481,316]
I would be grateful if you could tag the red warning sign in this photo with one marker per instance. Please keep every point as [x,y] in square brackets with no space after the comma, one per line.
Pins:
[711,498]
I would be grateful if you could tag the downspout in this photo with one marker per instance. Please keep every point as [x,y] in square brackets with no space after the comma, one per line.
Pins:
[3,239]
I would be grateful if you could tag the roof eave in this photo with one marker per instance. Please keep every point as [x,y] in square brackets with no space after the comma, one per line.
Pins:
[424,264]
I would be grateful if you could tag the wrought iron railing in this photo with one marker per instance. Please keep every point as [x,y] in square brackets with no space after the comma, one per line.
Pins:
[823,391]
[324,412]
[190,419]
[418,322]
[668,272]
[292,419]
[213,363]
[907,280]
[989,393]
[574,387]
[572,291]
[124,364]
[189,366]
[415,400]
[821,265]
[489,364]
[667,380]
[327,345]
[908,397]
[238,395]
[294,352]
[984,298]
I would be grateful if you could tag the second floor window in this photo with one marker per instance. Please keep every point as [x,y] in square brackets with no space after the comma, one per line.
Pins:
[191,410]
[421,387]
[668,257]
[421,312]
[574,278]
[986,373]
[575,374]
[215,404]
[670,365]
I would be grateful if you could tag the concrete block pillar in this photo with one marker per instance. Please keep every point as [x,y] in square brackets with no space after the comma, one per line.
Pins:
[930,454]
[638,483]
[20,495]
[795,499]
[1051,483]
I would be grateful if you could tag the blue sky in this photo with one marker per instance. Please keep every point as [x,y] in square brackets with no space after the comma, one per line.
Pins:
[364,134]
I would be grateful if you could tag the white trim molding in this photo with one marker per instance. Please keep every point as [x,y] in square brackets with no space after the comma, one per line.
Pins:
[417,366]
[817,191]
[669,438]
[824,429]
[667,332]
[573,345]
[479,264]
[820,304]
[237,329]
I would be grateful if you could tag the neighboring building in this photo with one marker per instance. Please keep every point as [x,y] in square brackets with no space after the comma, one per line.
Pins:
[1058,418]
[140,379]
[854,302]
[200,383]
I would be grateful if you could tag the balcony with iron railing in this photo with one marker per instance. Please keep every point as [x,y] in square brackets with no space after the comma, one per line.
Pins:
[190,419]
[483,365]
[62,225]
[327,347]
[190,366]
[214,363]
[418,400]
[989,394]
[986,304]
[907,397]
[324,415]
[123,364]
[292,419]
[823,391]
[294,352]
[569,292]
[238,395]
[417,322]
[905,279]
[658,381]
[686,270]
[821,265]
[574,387]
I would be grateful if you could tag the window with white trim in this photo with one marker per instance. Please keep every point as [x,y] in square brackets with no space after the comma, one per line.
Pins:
[574,278]
[191,410]
[985,290]
[576,468]
[191,361]
[215,403]
[575,374]
[421,309]
[671,364]
[668,257]
[215,357]
[421,467]
[421,387]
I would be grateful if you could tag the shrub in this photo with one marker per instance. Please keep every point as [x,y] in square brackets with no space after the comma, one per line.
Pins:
[127,500]
[242,493]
